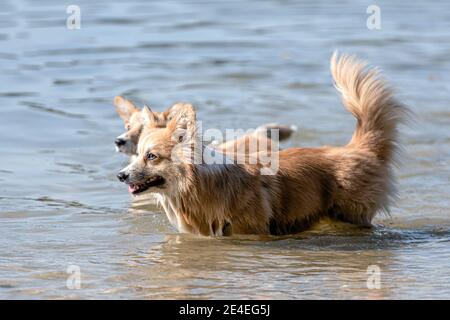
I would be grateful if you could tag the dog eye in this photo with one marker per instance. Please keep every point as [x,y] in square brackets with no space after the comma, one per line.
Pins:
[151,156]
[128,127]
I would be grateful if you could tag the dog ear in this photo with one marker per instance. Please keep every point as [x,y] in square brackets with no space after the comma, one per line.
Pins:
[125,108]
[149,117]
[170,113]
[183,120]
[183,116]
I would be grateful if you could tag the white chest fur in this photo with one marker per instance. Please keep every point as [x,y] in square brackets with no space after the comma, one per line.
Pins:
[173,214]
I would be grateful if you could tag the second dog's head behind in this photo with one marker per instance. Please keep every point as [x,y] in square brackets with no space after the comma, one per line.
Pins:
[131,117]
[133,121]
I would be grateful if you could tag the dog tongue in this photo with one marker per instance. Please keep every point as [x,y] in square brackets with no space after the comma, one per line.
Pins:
[132,188]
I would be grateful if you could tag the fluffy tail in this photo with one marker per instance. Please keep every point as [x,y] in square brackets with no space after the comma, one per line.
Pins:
[364,170]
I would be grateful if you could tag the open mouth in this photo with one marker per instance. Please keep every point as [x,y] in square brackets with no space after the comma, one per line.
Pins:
[155,181]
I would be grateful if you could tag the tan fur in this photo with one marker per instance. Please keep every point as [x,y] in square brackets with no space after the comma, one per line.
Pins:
[133,121]
[125,108]
[352,183]
[367,161]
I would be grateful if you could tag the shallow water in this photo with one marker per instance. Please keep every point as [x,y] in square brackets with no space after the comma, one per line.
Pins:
[242,63]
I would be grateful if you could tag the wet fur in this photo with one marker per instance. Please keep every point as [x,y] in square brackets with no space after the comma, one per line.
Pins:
[352,183]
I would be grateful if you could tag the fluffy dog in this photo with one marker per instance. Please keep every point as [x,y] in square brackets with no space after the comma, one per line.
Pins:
[351,183]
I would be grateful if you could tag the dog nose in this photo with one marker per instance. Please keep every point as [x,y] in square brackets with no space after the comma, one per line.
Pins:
[122,176]
[120,142]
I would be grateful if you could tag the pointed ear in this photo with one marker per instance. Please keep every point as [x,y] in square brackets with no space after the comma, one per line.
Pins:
[125,108]
[149,117]
[170,113]
[184,119]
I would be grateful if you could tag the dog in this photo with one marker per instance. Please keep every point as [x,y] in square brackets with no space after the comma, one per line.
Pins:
[351,183]
[132,118]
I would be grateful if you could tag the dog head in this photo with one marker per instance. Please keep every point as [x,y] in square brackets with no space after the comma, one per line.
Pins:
[163,153]
[132,117]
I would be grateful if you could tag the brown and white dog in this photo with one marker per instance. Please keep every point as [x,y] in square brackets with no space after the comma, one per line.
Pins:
[352,183]
[133,121]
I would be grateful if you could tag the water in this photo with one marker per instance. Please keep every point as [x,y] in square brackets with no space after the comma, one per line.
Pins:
[242,63]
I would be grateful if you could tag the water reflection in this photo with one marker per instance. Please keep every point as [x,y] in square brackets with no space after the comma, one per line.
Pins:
[184,266]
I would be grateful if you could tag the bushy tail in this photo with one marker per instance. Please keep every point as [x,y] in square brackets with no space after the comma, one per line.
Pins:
[364,171]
